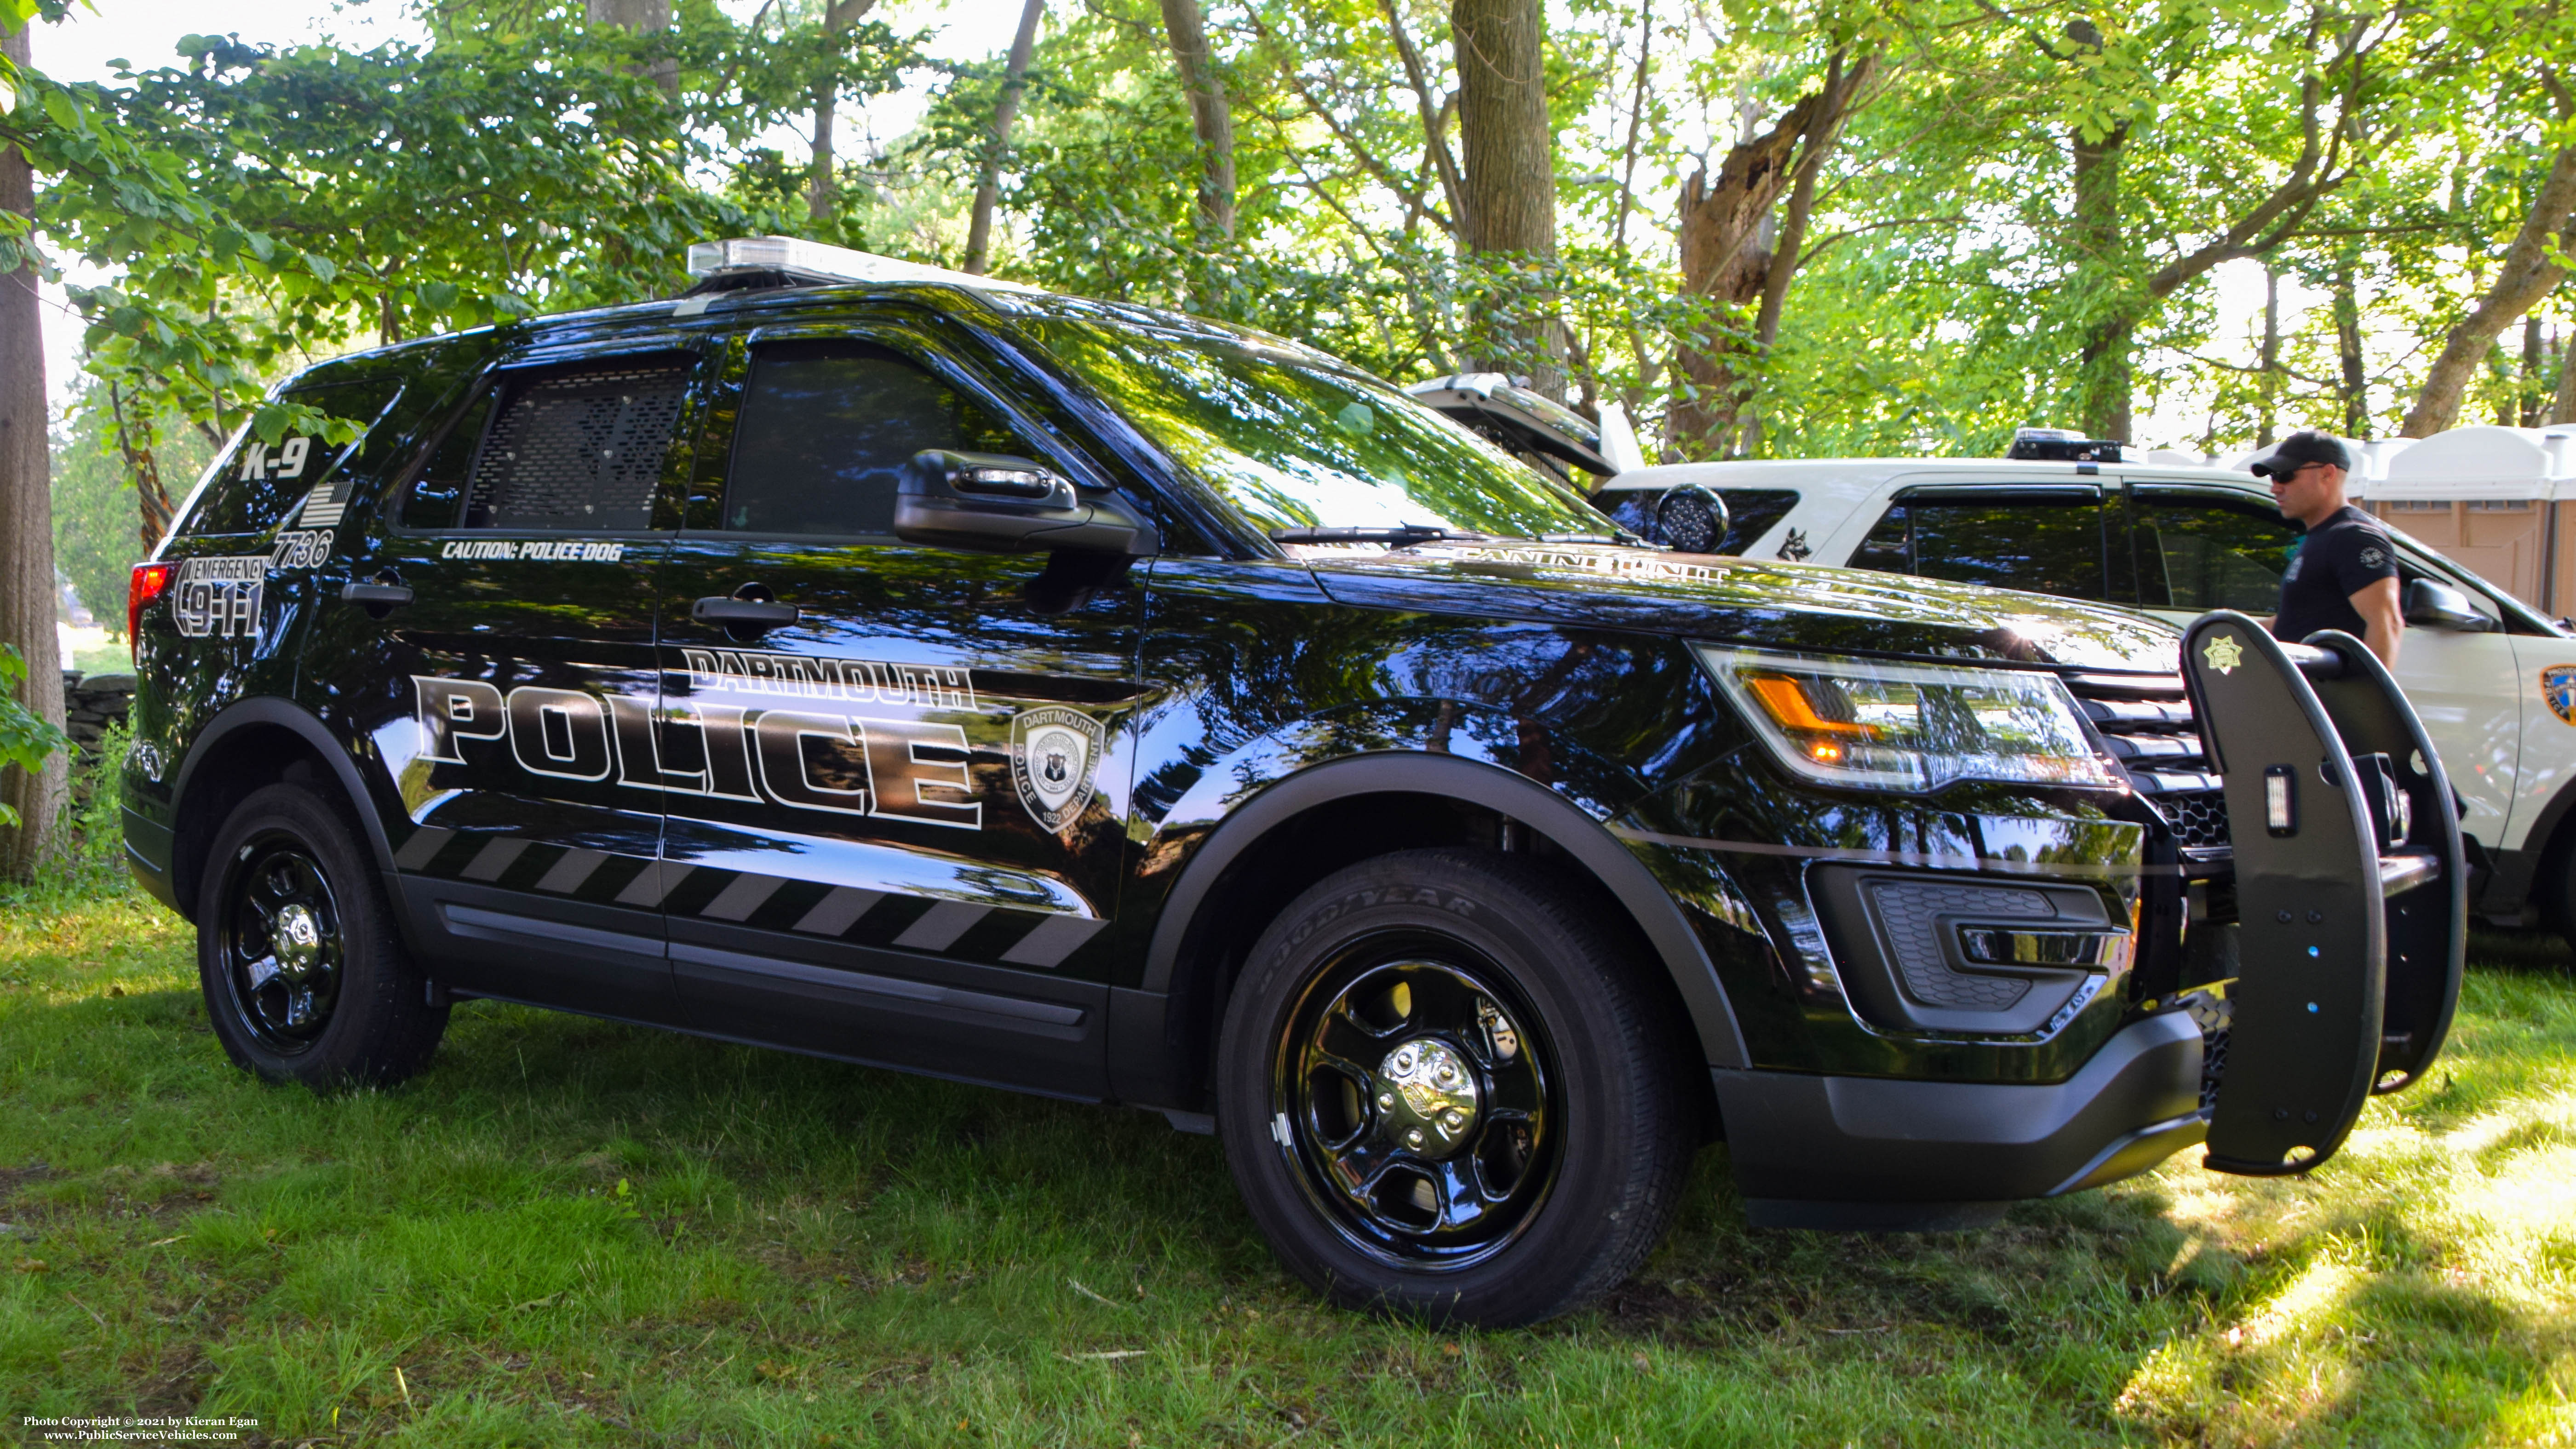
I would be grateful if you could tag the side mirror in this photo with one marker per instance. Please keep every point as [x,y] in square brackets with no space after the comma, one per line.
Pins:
[996,504]
[2429,605]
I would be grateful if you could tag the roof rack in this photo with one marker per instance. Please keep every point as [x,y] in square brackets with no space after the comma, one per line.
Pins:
[787,261]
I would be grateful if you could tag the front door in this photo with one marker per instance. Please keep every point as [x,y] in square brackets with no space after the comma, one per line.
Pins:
[2206,548]
[528,542]
[895,774]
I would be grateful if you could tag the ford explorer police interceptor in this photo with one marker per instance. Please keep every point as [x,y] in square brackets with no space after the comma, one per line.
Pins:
[924,671]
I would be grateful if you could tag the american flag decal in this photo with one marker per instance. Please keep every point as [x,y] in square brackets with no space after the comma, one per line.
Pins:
[323,506]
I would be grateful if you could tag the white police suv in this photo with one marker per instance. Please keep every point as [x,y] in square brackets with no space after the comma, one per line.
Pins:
[2494,681]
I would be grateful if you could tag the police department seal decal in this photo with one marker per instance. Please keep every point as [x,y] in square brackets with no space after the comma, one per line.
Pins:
[2558,690]
[2223,653]
[1053,753]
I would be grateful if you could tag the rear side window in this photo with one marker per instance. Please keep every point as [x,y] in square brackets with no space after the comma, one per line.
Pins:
[2202,554]
[582,448]
[2043,545]
[1750,512]
[258,482]
[826,430]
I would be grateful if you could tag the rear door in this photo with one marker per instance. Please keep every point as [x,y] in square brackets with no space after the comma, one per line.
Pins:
[895,809]
[2203,548]
[528,538]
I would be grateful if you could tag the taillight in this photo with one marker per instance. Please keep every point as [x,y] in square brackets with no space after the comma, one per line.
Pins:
[146,584]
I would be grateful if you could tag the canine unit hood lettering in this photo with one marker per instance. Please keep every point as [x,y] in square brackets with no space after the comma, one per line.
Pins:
[1053,753]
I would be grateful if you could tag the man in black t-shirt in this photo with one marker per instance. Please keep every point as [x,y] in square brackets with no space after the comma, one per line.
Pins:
[2344,573]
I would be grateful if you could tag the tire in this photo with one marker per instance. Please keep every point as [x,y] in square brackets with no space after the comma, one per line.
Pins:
[1428,982]
[304,976]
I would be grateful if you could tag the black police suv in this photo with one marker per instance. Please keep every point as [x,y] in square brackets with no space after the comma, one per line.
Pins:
[917,670]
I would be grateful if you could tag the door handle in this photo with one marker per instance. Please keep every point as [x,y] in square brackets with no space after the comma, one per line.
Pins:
[375,595]
[743,613]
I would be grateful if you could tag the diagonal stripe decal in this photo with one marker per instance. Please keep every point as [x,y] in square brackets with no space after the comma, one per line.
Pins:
[656,882]
[495,858]
[737,901]
[1053,939]
[424,843]
[940,926]
[838,911]
[569,872]
[1046,943]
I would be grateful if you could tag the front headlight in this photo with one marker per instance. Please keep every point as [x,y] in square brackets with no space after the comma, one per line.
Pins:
[1877,725]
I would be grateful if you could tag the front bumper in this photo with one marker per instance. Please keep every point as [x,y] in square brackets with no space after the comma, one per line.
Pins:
[1873,1152]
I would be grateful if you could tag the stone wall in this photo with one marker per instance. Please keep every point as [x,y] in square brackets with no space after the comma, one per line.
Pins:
[92,703]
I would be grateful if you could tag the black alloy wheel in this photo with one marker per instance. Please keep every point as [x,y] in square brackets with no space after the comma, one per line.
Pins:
[304,976]
[282,948]
[1451,1086]
[1416,1103]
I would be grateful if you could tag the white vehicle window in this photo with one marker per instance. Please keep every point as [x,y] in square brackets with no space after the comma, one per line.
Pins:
[2207,553]
[2044,544]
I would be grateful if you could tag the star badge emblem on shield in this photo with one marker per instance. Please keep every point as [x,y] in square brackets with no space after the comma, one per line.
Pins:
[2558,690]
[2223,653]
[1054,751]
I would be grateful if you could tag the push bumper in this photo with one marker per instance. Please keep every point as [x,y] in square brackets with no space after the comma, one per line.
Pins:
[1879,1153]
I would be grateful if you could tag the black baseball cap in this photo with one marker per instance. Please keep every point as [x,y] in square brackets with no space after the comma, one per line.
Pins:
[2297,451]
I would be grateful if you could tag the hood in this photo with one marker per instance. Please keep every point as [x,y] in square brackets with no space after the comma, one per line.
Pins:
[1763,602]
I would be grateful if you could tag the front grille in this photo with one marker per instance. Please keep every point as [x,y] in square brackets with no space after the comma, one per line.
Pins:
[2215,1015]
[2145,721]
[2199,820]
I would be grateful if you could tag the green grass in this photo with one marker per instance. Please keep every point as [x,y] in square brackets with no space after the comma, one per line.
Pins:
[569,1231]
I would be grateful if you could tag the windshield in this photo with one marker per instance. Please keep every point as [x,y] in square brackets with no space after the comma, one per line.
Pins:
[1297,440]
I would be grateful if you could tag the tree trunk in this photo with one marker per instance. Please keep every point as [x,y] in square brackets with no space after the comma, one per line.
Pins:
[1724,256]
[2102,375]
[1510,168]
[2529,390]
[1211,118]
[2562,404]
[2356,378]
[640,16]
[2271,379]
[1510,161]
[979,230]
[2528,274]
[26,523]
[143,466]
[823,187]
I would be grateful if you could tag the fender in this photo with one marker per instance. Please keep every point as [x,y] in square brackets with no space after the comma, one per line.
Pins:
[269,709]
[2517,871]
[1503,791]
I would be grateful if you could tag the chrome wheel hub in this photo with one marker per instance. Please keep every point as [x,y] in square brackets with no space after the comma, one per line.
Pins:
[299,941]
[1426,1097]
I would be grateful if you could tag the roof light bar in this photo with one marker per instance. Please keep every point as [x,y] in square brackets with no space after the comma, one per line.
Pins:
[795,254]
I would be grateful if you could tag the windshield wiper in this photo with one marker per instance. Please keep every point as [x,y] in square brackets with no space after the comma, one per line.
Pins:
[1402,535]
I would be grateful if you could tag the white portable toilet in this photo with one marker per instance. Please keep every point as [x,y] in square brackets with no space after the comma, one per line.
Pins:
[2365,458]
[2487,497]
